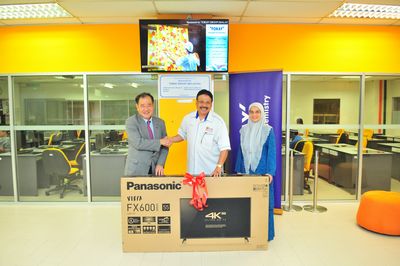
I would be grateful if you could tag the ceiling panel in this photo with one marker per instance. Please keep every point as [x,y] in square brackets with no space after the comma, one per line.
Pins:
[41,21]
[109,8]
[217,8]
[357,21]
[8,2]
[267,20]
[377,2]
[238,11]
[113,20]
[63,1]
[291,9]
[231,19]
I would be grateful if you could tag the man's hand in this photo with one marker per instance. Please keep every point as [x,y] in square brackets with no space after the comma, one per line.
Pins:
[166,142]
[159,170]
[217,171]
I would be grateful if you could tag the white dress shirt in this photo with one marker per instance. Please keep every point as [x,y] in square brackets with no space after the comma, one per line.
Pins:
[206,139]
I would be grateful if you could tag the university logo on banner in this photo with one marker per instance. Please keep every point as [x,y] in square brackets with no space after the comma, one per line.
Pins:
[265,88]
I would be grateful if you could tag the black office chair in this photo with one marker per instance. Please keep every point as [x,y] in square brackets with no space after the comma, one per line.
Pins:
[56,164]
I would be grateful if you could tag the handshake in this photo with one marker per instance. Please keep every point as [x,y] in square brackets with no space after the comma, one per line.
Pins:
[166,141]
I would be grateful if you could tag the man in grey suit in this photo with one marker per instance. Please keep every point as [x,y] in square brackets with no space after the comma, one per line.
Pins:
[148,144]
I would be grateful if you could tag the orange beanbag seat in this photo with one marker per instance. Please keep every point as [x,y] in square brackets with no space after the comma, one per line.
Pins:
[379,211]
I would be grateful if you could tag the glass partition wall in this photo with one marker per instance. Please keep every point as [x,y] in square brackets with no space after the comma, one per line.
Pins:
[6,178]
[48,123]
[111,102]
[382,132]
[324,117]
[45,118]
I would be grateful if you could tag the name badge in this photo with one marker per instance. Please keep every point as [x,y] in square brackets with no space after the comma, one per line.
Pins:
[209,130]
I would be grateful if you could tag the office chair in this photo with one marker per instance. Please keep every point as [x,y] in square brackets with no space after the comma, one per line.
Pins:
[340,131]
[74,162]
[342,138]
[124,135]
[55,138]
[114,136]
[367,135]
[307,148]
[56,164]
[306,133]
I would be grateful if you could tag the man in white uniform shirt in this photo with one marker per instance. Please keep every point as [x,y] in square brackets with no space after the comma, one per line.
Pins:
[207,137]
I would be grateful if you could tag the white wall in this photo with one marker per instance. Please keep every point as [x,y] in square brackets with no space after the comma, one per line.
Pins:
[393,90]
[303,94]
[371,108]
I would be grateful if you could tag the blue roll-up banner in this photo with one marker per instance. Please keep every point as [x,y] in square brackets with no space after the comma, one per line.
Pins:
[266,88]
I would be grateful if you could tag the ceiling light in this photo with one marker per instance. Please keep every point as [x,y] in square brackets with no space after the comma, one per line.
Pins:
[348,10]
[109,85]
[47,10]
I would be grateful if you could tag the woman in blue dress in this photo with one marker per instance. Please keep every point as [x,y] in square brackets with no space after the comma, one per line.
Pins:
[257,154]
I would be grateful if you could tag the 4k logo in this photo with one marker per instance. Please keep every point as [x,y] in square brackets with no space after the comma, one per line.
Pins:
[215,215]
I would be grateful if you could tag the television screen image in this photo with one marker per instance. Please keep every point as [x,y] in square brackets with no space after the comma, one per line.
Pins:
[224,217]
[184,45]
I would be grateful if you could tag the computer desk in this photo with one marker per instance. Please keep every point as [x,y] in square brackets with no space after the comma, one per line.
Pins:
[315,140]
[388,138]
[6,179]
[31,173]
[394,148]
[298,173]
[344,160]
[372,143]
[106,169]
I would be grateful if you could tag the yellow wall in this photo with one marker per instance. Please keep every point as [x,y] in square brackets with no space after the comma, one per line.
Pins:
[173,111]
[315,48]
[79,48]
[69,48]
[114,48]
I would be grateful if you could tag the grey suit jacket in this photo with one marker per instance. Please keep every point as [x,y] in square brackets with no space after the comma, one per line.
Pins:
[144,152]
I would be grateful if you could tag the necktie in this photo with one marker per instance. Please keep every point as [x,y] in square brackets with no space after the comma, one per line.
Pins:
[149,130]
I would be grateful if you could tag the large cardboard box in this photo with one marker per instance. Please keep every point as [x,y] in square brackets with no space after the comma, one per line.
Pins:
[157,216]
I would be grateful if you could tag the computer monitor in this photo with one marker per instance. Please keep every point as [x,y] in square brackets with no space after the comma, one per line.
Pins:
[100,141]
[21,139]
[38,138]
[114,136]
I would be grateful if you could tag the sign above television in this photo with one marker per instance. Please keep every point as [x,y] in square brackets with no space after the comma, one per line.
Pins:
[184,45]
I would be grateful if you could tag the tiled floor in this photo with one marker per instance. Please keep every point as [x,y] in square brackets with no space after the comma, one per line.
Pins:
[82,234]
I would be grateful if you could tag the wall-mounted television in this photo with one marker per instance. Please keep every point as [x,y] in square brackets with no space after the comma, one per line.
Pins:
[184,45]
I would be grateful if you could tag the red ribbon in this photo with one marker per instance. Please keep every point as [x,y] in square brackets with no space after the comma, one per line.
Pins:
[199,190]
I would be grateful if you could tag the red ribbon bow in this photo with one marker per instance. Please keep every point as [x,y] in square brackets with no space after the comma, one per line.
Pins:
[199,190]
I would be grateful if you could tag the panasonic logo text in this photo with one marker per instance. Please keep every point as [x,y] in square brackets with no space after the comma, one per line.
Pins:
[162,186]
